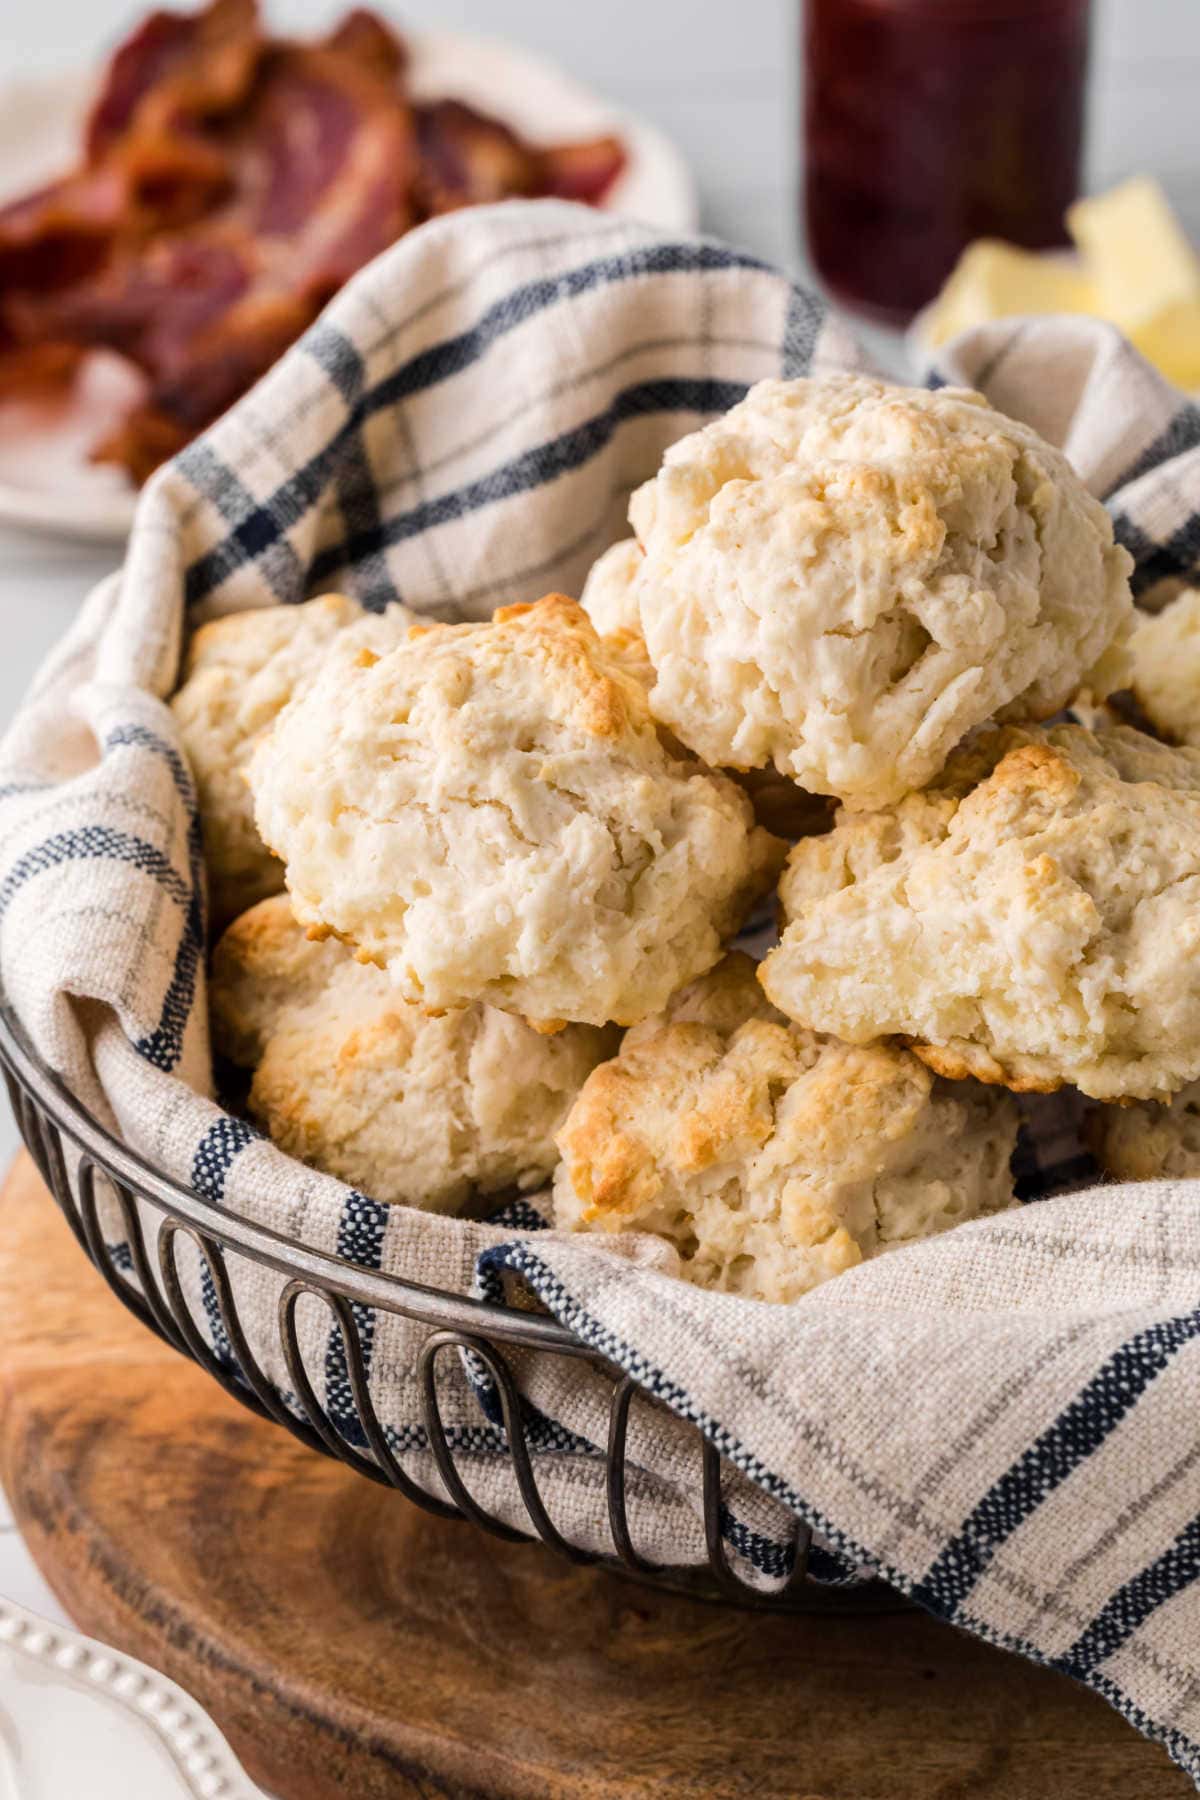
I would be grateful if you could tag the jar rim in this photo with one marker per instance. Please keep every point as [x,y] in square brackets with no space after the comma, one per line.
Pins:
[965,12]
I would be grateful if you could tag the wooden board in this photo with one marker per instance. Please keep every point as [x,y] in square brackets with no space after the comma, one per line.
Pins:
[351,1646]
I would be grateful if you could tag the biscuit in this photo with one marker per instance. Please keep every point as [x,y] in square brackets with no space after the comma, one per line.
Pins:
[609,601]
[770,1157]
[608,596]
[1164,652]
[1032,918]
[241,670]
[1147,1141]
[842,578]
[488,812]
[356,1081]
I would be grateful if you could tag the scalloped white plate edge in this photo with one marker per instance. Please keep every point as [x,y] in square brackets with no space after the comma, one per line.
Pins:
[40,120]
[142,1722]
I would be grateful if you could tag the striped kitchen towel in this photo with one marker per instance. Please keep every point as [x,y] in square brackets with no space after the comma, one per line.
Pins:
[999,1422]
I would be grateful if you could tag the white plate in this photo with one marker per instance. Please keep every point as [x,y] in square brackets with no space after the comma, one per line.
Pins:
[46,481]
[79,1719]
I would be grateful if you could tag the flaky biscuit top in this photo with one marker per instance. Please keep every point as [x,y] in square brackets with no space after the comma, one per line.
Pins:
[1032,918]
[842,578]
[240,671]
[770,1157]
[488,812]
[356,1081]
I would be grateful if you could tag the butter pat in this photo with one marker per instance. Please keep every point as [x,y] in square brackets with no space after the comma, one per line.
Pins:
[1147,274]
[1171,341]
[994,280]
[1135,267]
[1141,262]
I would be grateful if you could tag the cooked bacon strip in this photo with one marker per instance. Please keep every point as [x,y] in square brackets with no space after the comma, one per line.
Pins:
[364,36]
[469,159]
[32,369]
[176,67]
[231,184]
[582,171]
[145,304]
[59,234]
[321,168]
[148,165]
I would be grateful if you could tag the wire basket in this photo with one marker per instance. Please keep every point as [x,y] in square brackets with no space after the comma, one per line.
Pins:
[71,1150]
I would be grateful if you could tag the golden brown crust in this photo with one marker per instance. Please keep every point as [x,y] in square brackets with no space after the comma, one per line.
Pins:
[1030,919]
[769,1157]
[561,633]
[970,1062]
[264,966]
[490,812]
[354,1080]
[893,566]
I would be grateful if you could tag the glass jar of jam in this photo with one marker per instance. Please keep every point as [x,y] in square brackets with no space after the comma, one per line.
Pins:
[932,122]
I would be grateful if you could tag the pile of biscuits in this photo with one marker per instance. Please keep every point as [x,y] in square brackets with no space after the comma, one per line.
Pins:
[480,882]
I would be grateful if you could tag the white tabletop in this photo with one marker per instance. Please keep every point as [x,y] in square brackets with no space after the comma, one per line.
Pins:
[684,65]
[20,1580]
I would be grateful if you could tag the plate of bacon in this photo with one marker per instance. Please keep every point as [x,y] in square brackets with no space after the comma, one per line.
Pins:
[221,185]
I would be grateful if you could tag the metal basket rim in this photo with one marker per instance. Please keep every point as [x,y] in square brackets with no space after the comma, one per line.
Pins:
[287,1255]
[48,1113]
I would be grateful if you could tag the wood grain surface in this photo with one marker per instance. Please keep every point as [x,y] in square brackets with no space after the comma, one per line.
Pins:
[351,1646]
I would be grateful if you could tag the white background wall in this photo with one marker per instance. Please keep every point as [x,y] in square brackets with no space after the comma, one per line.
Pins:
[723,79]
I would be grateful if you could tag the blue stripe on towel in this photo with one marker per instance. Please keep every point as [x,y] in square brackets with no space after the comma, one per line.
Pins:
[360,1237]
[1078,1431]
[215,1155]
[534,468]
[163,1046]
[93,842]
[262,528]
[1133,1604]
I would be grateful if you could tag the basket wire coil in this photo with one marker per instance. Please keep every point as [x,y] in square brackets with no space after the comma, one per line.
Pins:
[54,1126]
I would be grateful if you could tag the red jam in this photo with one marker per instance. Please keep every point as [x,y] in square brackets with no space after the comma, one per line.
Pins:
[932,122]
